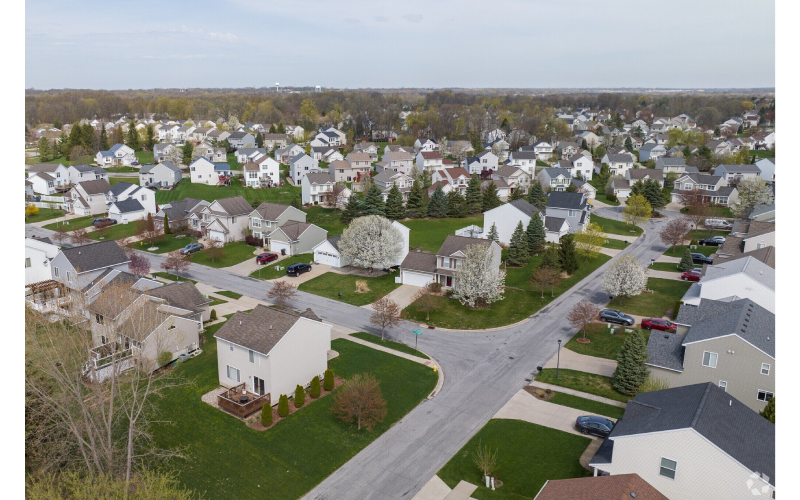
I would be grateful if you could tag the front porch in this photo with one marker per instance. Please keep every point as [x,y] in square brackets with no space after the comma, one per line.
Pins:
[241,402]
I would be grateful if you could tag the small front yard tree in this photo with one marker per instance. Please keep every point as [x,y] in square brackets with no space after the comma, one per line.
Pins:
[590,240]
[175,262]
[371,242]
[282,292]
[545,278]
[536,235]
[631,373]
[80,236]
[625,277]
[427,300]
[583,314]
[360,401]
[139,265]
[696,202]
[551,258]
[386,315]
[518,248]
[216,249]
[568,255]
[637,210]
[167,229]
[686,262]
[485,458]
[478,282]
[674,232]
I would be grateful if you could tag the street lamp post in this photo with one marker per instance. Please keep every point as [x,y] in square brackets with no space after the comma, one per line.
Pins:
[558,359]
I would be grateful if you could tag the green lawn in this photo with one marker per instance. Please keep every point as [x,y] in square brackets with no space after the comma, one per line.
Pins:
[519,303]
[763,153]
[117,180]
[233,253]
[144,157]
[116,232]
[587,405]
[666,293]
[603,344]
[582,381]
[397,346]
[330,285]
[718,211]
[76,223]
[268,271]
[679,250]
[615,243]
[232,161]
[429,234]
[528,455]
[121,170]
[671,267]
[616,227]
[230,295]
[166,243]
[186,189]
[44,214]
[286,461]
[326,218]
[603,198]
[172,277]
[217,302]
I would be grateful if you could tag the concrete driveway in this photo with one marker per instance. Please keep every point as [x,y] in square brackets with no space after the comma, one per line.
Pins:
[591,364]
[524,406]
[402,296]
[298,280]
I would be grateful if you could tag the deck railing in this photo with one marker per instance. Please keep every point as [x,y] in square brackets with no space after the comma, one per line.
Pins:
[241,402]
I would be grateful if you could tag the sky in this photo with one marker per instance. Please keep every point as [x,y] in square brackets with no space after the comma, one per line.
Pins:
[382,44]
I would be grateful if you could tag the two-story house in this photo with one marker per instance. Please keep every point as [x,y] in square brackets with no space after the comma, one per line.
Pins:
[671,165]
[426,144]
[225,219]
[746,277]
[388,178]
[367,147]
[88,198]
[283,155]
[419,269]
[732,174]
[178,211]
[543,150]
[39,252]
[239,140]
[360,165]
[618,164]
[116,156]
[319,187]
[554,179]
[162,175]
[274,141]
[526,160]
[458,178]
[77,267]
[643,174]
[123,191]
[572,207]
[168,133]
[81,173]
[204,171]
[47,178]
[713,188]
[512,177]
[269,216]
[327,154]
[302,165]
[506,217]
[396,161]
[244,155]
[579,166]
[296,238]
[481,162]
[429,161]
[651,151]
[263,172]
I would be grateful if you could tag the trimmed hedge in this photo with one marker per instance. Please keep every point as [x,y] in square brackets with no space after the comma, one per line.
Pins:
[283,406]
[328,382]
[299,396]
[315,390]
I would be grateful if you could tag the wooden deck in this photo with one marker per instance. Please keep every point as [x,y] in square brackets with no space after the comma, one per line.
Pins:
[241,402]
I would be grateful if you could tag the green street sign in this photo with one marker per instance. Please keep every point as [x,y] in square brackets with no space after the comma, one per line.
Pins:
[417,332]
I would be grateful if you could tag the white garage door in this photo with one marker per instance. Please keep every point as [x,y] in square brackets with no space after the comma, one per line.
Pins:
[280,248]
[216,235]
[326,258]
[416,279]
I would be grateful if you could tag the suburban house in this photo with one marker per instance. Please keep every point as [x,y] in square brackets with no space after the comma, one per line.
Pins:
[39,252]
[268,216]
[429,161]
[177,211]
[426,145]
[554,179]
[419,269]
[753,234]
[122,191]
[732,174]
[745,278]
[570,206]
[81,173]
[620,187]
[668,164]
[204,171]
[512,177]
[643,174]
[585,188]
[526,160]
[692,442]
[367,147]
[327,252]
[274,141]
[733,249]
[168,133]
[295,238]
[457,177]
[88,198]
[263,172]
[543,149]
[216,155]
[302,165]
[244,155]
[599,488]
[651,151]
[160,151]
[318,187]
[568,149]
[296,131]
[396,161]
[730,344]
[481,162]
[241,140]
[590,137]
[76,267]
[767,167]
[225,219]
[283,155]
[47,178]
[327,154]
[506,217]
[268,352]
[355,166]
[618,164]
[125,211]
[118,155]
[386,179]
[714,189]
[184,133]
[162,175]
[578,166]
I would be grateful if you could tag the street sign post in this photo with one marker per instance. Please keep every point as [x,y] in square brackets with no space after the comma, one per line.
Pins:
[418,334]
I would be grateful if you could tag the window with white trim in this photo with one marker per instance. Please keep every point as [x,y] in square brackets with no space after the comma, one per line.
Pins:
[765,368]
[230,347]
[233,373]
[765,395]
[55,272]
[27,262]
[668,468]
[252,355]
[710,359]
[723,385]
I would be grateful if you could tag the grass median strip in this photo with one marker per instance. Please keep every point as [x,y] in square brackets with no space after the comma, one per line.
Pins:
[397,346]
[589,383]
[229,294]
[587,405]
[172,277]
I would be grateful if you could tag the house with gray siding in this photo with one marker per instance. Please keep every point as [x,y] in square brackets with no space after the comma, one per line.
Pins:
[732,174]
[76,267]
[295,238]
[301,165]
[573,207]
[268,216]
[160,175]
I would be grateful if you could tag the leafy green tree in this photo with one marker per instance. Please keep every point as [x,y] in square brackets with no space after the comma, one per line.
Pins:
[769,411]
[517,194]
[314,391]
[187,149]
[328,381]
[518,247]
[415,206]
[266,415]
[490,198]
[686,262]
[283,406]
[535,234]
[474,197]
[299,396]
[259,140]
[456,204]
[537,196]
[631,373]
[394,204]
[437,207]
[568,255]
[551,258]
[167,229]
[352,210]
[493,233]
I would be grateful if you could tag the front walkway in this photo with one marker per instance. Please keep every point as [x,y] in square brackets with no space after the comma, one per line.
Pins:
[436,489]
[571,360]
[60,218]
[629,239]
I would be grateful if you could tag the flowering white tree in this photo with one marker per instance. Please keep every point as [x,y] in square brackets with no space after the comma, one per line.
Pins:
[626,277]
[372,242]
[478,281]
[752,191]
[174,155]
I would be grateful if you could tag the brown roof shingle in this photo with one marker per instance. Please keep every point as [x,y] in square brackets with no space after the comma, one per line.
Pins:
[616,487]
[262,328]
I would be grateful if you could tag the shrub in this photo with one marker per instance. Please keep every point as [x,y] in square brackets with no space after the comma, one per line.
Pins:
[435,287]
[266,415]
[611,197]
[299,396]
[213,315]
[253,241]
[283,406]
[164,358]
[548,391]
[361,286]
[328,380]
[769,411]
[693,242]
[654,384]
[197,234]
[315,388]
[539,392]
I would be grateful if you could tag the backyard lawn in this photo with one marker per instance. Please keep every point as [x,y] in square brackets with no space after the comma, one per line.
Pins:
[76,223]
[144,157]
[117,180]
[44,214]
[289,459]
[230,158]
[603,344]
[528,455]
[666,293]
[120,170]
[166,243]
[268,271]
[616,227]
[581,381]
[326,218]
[587,405]
[232,254]
[186,189]
[330,285]
[763,153]
[397,346]
[429,234]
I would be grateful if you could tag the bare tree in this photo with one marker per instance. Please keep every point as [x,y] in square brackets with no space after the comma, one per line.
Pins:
[583,314]
[674,232]
[176,262]
[282,292]
[697,203]
[80,236]
[61,234]
[486,459]
[386,315]
[426,299]
[139,265]
[360,401]
[215,249]
[545,278]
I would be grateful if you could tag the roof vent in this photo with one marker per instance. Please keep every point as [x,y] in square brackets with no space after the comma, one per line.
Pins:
[270,327]
[240,322]
[633,495]
[730,402]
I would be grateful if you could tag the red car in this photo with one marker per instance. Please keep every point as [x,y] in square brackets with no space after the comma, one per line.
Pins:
[266,257]
[658,324]
[691,275]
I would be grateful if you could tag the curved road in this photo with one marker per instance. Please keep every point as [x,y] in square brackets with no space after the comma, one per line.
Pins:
[482,371]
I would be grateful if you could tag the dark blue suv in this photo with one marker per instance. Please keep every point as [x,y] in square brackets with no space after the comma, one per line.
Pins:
[614,316]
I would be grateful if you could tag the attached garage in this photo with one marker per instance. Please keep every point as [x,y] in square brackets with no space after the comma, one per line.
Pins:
[418,269]
[415,278]
[216,235]
[126,211]
[327,253]
[280,247]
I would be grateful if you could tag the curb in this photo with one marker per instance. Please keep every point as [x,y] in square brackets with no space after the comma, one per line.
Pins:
[479,331]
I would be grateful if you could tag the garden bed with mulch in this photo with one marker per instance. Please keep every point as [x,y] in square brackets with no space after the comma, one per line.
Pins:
[254,421]
[539,393]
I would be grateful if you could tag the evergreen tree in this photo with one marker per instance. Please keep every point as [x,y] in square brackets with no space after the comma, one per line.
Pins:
[518,248]
[63,144]
[628,144]
[266,415]
[283,406]
[686,262]
[568,255]
[631,373]
[167,229]
[584,145]
[456,204]
[75,136]
[57,123]
[416,200]
[394,204]
[272,128]
[536,195]
[281,128]
[654,195]
[490,198]
[352,209]
[328,381]
[474,197]
[551,258]
[769,411]
[299,396]
[187,152]
[373,202]
[493,233]
[133,136]
[437,207]
[259,140]
[44,149]
[150,140]
[517,194]
[535,234]
[572,188]
[296,203]
[314,391]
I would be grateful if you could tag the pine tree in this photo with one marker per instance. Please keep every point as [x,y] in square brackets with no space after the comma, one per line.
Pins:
[187,152]
[150,138]
[272,129]
[474,197]
[167,229]
[297,203]
[328,380]
[686,262]
[437,207]
[44,149]
[568,255]
[133,136]
[266,415]
[352,210]
[631,373]
[394,204]
[373,202]
[281,128]
[536,196]
[314,391]
[629,144]
[493,233]
[490,198]
[551,258]
[283,406]
[456,204]
[518,248]
[416,200]
[654,195]
[299,396]
[536,235]
[769,411]
[517,194]
[259,140]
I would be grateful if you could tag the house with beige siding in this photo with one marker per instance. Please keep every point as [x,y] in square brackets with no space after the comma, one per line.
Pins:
[744,278]
[269,216]
[225,219]
[295,238]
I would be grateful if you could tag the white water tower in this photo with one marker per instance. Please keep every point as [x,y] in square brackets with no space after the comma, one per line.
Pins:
[317,89]
[277,87]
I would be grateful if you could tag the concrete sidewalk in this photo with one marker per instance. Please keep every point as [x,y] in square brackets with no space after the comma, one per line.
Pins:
[525,406]
[585,395]
[664,258]
[612,252]
[667,275]
[402,296]
[571,360]
[630,239]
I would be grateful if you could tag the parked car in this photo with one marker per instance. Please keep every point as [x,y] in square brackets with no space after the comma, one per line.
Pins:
[692,275]
[659,324]
[103,221]
[266,257]
[712,242]
[134,163]
[614,316]
[191,248]
[298,269]
[698,258]
[718,224]
[597,426]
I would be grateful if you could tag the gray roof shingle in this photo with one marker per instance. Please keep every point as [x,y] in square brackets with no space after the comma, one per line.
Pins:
[262,328]
[563,199]
[524,207]
[95,256]
[129,205]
